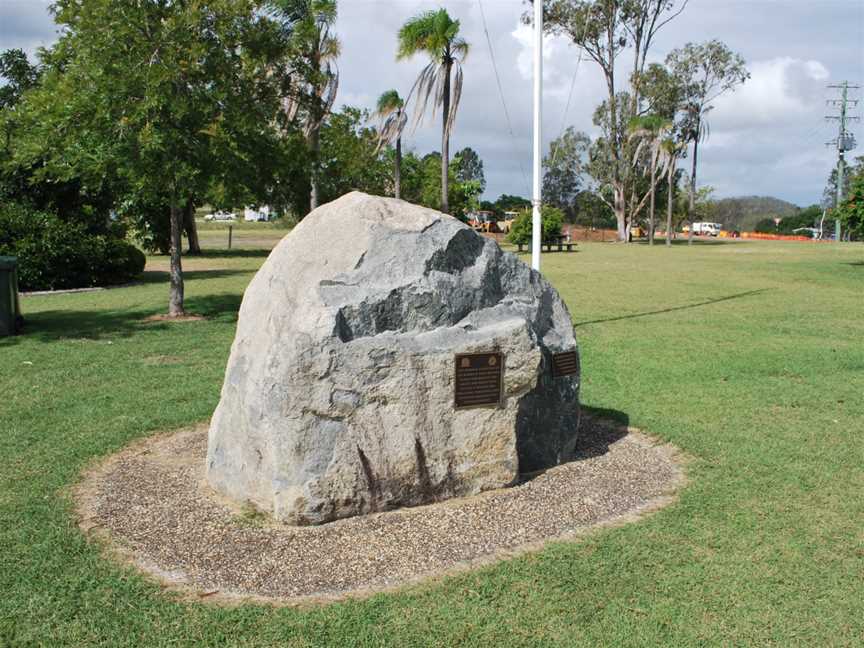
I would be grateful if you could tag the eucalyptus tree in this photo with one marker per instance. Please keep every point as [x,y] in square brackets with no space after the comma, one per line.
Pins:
[18,75]
[705,71]
[350,156]
[311,73]
[436,34]
[651,132]
[604,29]
[156,98]
[564,168]
[470,167]
[851,211]
[393,119]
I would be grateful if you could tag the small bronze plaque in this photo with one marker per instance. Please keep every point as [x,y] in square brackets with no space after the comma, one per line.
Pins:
[478,379]
[565,364]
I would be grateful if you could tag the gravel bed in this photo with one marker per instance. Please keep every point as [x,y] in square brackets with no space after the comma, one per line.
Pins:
[151,504]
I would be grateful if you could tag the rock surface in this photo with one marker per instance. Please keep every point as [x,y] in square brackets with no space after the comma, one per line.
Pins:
[339,392]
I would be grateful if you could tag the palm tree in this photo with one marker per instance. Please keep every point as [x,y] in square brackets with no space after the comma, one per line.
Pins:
[671,150]
[391,111]
[696,131]
[436,34]
[312,73]
[651,131]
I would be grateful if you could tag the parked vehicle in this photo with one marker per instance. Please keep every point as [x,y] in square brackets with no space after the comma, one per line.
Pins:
[812,232]
[221,216]
[482,221]
[707,229]
[257,214]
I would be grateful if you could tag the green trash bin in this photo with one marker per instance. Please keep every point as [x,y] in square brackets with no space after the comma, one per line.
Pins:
[10,308]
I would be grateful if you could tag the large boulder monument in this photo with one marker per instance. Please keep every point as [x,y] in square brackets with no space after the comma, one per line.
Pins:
[387,355]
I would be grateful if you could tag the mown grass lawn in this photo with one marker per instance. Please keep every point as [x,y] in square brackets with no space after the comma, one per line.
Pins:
[748,355]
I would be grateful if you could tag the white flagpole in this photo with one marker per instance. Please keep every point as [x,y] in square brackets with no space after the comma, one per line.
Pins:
[538,106]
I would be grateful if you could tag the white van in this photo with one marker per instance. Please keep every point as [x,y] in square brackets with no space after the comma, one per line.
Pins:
[709,229]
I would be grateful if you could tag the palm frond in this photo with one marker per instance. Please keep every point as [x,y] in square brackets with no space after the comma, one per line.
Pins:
[391,128]
[460,47]
[456,95]
[433,32]
[704,130]
[332,88]
[414,36]
[389,102]
[422,91]
[437,34]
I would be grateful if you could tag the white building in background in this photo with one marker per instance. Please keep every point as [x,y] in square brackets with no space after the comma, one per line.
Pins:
[257,213]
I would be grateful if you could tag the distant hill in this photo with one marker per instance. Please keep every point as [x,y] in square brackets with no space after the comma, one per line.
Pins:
[742,213]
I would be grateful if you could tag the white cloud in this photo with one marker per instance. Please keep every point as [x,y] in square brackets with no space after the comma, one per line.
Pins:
[780,90]
[556,54]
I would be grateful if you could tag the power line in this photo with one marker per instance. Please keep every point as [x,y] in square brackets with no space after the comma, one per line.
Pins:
[845,140]
[570,94]
[566,109]
[501,95]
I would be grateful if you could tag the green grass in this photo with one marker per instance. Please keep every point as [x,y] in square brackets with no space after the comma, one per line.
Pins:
[749,356]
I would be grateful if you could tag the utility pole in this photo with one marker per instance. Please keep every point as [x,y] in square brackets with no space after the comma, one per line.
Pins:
[845,140]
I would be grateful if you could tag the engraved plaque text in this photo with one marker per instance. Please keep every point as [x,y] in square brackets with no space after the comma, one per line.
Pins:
[565,364]
[478,379]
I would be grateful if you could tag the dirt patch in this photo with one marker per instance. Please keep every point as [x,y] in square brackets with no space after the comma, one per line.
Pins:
[152,507]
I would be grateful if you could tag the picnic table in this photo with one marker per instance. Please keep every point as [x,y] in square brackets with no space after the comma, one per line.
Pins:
[559,243]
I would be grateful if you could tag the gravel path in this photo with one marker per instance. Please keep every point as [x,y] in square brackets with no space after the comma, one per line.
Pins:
[151,503]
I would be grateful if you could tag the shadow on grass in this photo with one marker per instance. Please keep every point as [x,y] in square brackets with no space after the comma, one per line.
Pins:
[858,264]
[661,242]
[225,253]
[162,276]
[220,253]
[707,302]
[57,325]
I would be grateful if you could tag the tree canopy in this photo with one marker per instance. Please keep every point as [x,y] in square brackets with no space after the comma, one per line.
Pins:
[158,100]
[563,169]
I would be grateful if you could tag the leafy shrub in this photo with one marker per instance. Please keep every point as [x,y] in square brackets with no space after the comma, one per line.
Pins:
[766,226]
[54,254]
[805,218]
[852,210]
[551,220]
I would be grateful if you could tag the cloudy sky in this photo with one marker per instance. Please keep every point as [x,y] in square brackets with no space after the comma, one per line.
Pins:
[768,138]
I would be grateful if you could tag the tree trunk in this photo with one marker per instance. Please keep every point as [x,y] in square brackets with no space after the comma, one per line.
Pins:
[397,175]
[691,205]
[620,209]
[619,185]
[445,144]
[175,292]
[191,228]
[619,189]
[314,143]
[651,208]
[669,205]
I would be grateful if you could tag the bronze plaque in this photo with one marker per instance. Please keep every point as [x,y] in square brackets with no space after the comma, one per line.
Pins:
[478,379]
[565,364]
